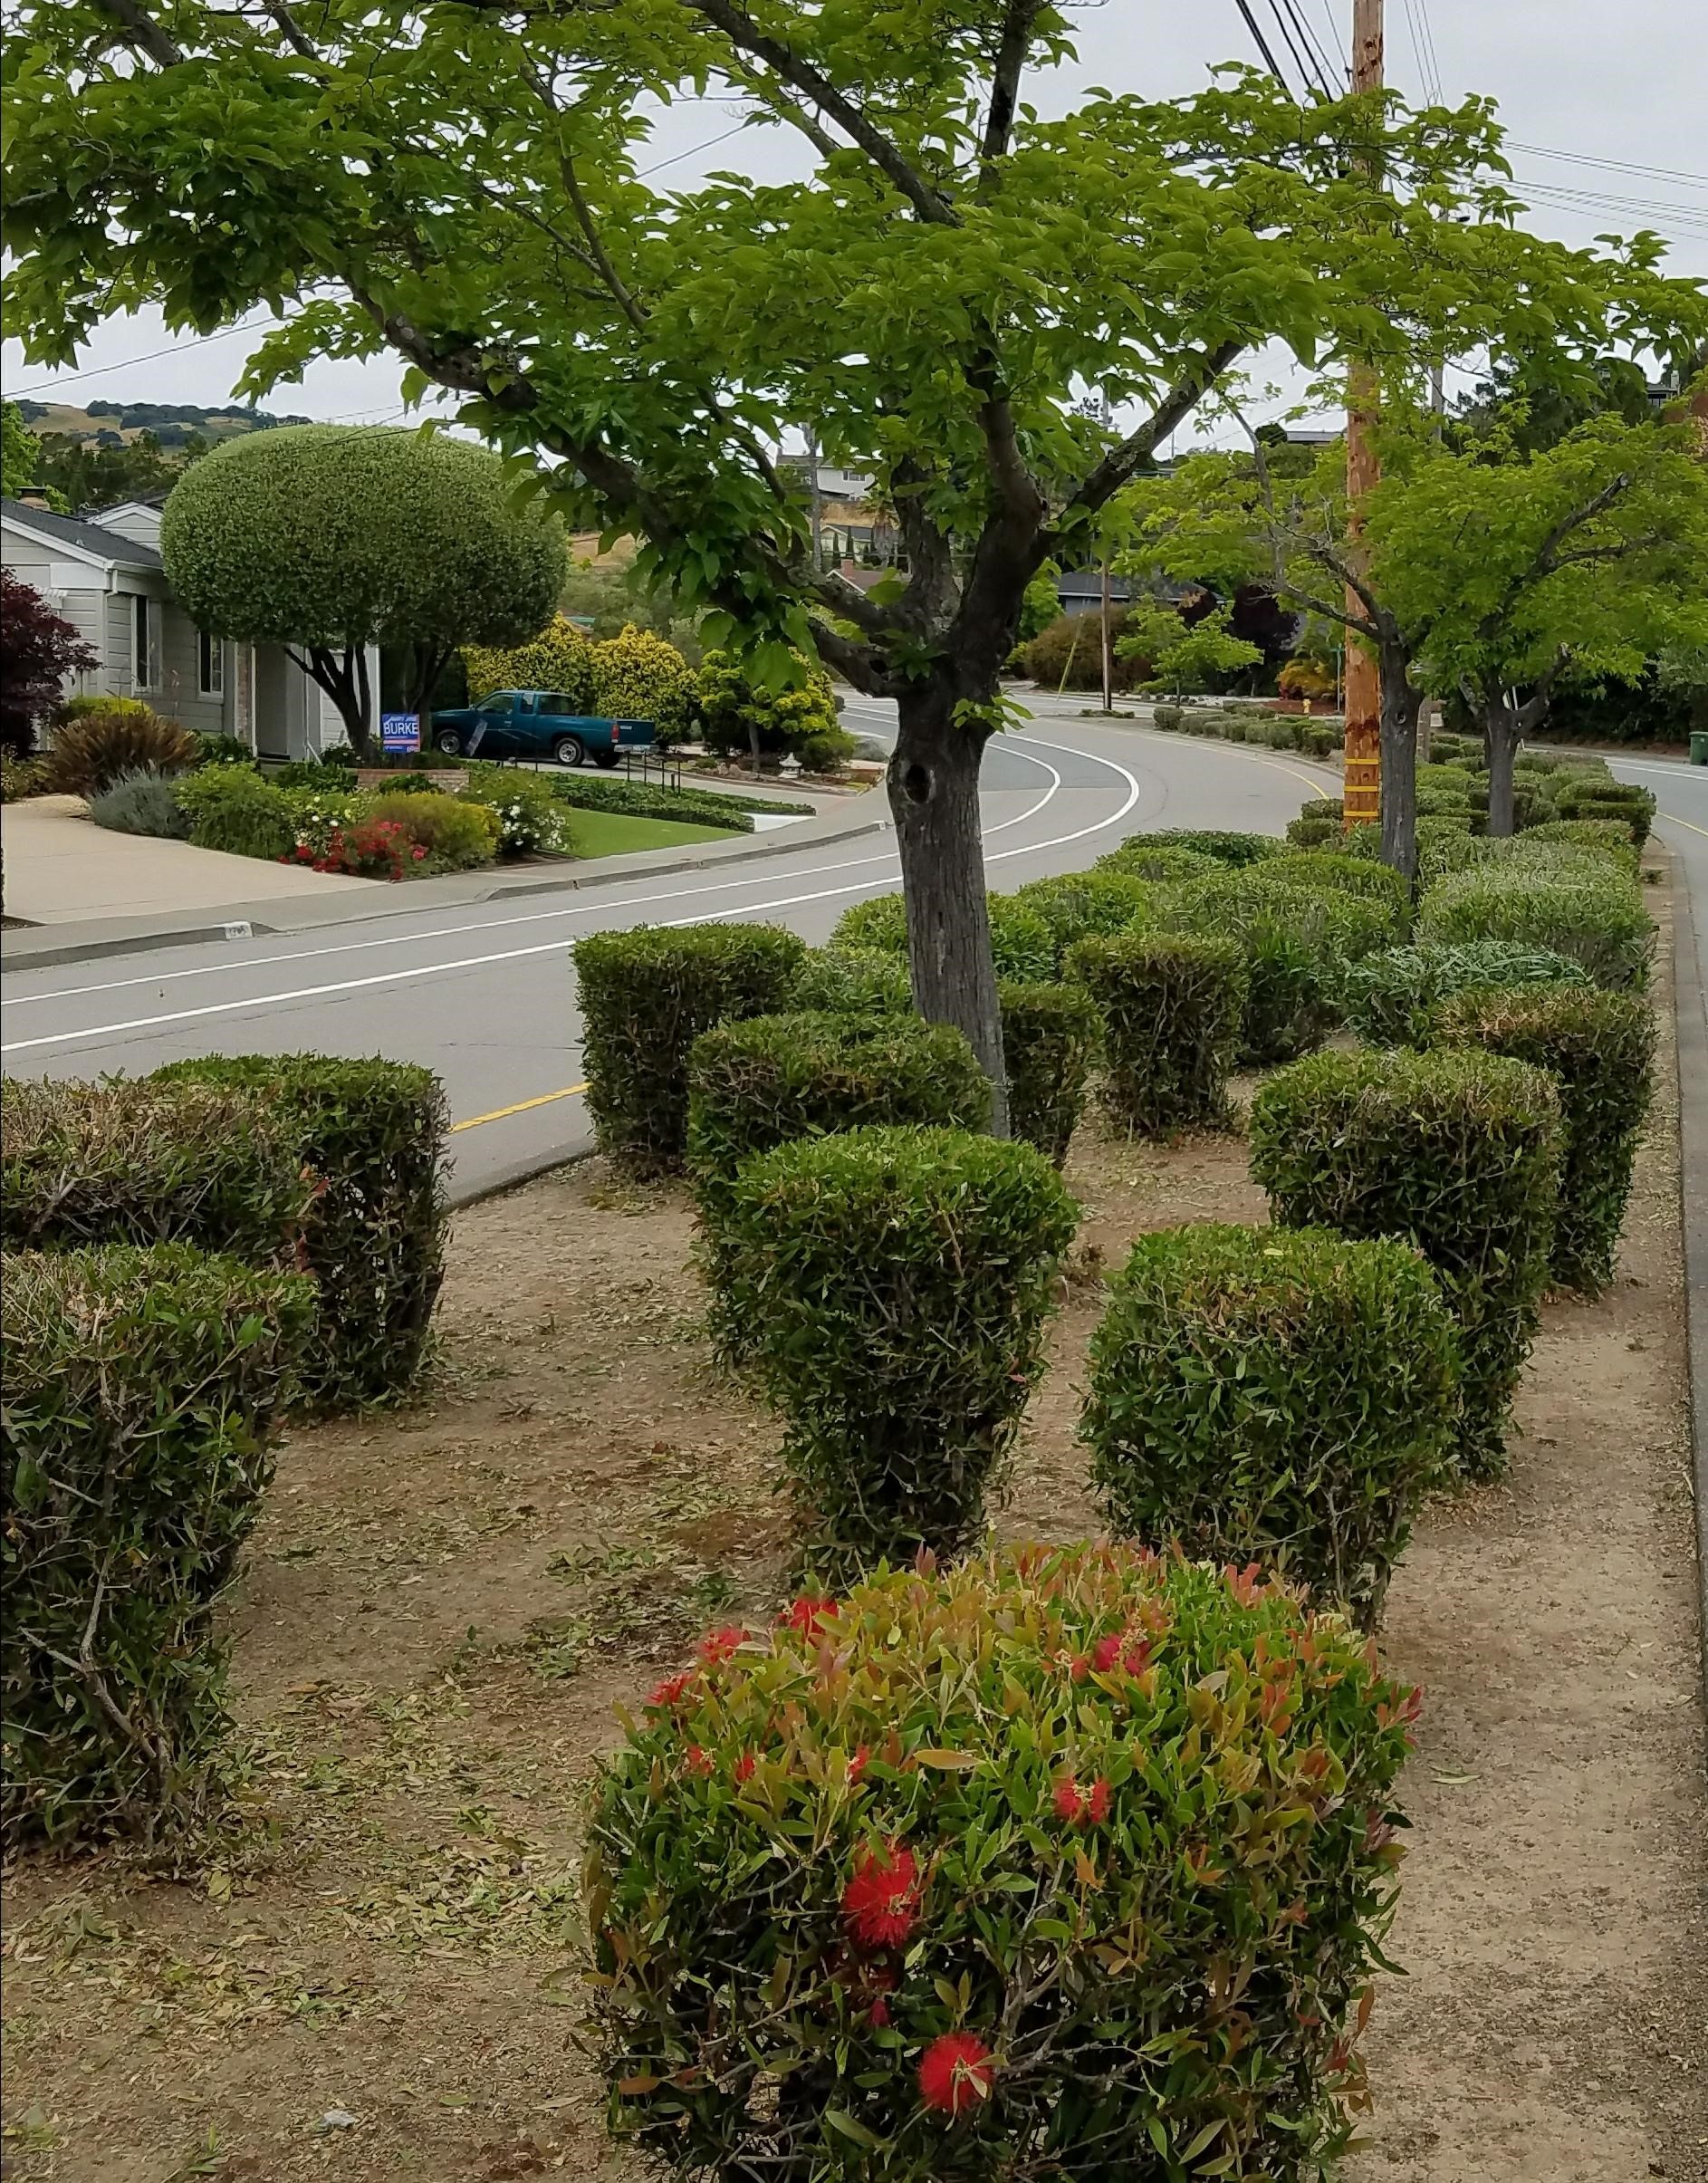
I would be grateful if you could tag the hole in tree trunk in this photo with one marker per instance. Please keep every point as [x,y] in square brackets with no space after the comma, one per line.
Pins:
[915,785]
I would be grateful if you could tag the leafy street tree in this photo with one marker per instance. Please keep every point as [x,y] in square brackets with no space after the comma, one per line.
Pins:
[1184,655]
[38,648]
[329,538]
[940,286]
[20,452]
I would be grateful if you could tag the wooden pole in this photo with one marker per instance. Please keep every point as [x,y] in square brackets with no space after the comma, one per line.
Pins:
[1363,801]
[1108,665]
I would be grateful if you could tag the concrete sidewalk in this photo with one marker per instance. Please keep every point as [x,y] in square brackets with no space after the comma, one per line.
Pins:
[62,869]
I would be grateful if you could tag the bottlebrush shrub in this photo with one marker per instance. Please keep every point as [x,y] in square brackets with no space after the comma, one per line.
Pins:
[1172,1007]
[894,1284]
[1443,845]
[1394,999]
[1598,921]
[1022,944]
[1274,1394]
[1050,1037]
[1296,943]
[373,1133]
[646,995]
[1611,836]
[133,1161]
[1379,886]
[852,981]
[1457,1153]
[138,1388]
[1600,1048]
[1146,857]
[1235,849]
[1076,904]
[1170,718]
[944,1882]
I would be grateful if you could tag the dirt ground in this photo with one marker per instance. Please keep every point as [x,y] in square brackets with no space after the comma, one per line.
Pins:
[376,1977]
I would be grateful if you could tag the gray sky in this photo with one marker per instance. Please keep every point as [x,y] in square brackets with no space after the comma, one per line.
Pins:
[1606,99]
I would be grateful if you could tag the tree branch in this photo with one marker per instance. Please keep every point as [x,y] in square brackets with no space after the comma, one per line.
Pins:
[800,75]
[1546,562]
[1011,61]
[292,31]
[598,255]
[1122,464]
[143,32]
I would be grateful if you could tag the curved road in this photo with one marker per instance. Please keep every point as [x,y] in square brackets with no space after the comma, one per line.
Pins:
[485,996]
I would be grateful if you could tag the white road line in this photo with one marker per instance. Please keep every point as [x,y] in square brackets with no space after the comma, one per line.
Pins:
[474,962]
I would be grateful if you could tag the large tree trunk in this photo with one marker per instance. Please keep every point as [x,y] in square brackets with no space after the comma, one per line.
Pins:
[1502,735]
[1401,703]
[934,794]
[343,676]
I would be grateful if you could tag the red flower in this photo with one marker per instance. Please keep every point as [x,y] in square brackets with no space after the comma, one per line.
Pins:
[1070,1804]
[696,1760]
[807,1614]
[880,1904]
[955,2073]
[674,1687]
[721,1645]
[1137,1658]
[744,1767]
[878,2014]
[857,1764]
[1099,1798]
[1105,1653]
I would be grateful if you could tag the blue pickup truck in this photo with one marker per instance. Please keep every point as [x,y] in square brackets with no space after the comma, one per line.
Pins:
[536,724]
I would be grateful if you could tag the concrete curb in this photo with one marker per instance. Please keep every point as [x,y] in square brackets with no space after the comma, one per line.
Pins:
[39,946]
[1692,1025]
[528,1168]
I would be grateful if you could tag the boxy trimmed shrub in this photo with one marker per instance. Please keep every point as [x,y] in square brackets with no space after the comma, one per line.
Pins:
[1600,1048]
[646,995]
[1588,796]
[1457,1153]
[134,1161]
[1235,849]
[1076,904]
[1612,837]
[1022,944]
[1050,1037]
[1172,1008]
[1313,833]
[1282,1395]
[895,1284]
[1379,885]
[140,1385]
[1600,922]
[1296,941]
[373,1134]
[1144,857]
[1394,999]
[937,1881]
[851,981]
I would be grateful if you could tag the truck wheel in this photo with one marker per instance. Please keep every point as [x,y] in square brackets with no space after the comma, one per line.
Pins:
[569,750]
[605,760]
[449,742]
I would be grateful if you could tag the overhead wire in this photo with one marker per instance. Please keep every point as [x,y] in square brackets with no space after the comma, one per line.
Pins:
[1299,56]
[1321,69]
[1262,44]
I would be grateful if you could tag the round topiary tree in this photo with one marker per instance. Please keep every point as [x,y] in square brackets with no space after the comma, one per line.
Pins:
[639,676]
[329,538]
[739,717]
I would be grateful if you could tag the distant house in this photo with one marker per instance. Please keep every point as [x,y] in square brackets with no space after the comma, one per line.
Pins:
[1081,591]
[106,577]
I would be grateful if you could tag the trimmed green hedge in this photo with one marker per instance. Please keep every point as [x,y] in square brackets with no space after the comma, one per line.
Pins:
[374,1133]
[1051,1037]
[650,800]
[1077,904]
[140,1386]
[1022,944]
[1600,1048]
[1145,857]
[1457,1153]
[1235,849]
[1612,837]
[1394,999]
[1172,1008]
[1282,1396]
[1313,833]
[1378,885]
[1296,942]
[851,981]
[1616,802]
[1600,922]
[646,995]
[896,1284]
[134,1161]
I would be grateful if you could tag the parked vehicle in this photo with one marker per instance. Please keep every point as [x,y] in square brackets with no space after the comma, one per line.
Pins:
[535,724]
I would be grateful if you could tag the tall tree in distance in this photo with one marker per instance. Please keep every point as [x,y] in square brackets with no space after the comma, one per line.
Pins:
[939,284]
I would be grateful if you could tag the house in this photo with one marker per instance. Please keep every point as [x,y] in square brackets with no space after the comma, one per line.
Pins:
[105,575]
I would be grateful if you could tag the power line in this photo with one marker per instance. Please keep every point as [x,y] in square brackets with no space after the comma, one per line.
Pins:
[1319,68]
[1298,54]
[1584,158]
[1333,22]
[150,356]
[1263,46]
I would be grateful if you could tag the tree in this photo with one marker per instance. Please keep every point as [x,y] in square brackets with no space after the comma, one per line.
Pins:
[20,453]
[86,477]
[1580,561]
[328,538]
[950,276]
[38,649]
[560,658]
[1185,655]
[734,715]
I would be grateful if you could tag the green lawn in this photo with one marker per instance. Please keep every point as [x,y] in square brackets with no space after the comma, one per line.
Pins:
[607,834]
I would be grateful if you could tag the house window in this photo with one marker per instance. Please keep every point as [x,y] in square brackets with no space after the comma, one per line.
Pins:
[210,667]
[145,643]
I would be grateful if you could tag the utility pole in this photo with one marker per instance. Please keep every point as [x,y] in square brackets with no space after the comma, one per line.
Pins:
[815,498]
[1363,801]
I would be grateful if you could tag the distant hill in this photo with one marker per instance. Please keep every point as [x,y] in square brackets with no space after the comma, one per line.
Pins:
[113,424]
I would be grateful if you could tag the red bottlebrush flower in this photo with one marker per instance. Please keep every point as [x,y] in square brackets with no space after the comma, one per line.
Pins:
[674,1687]
[1098,1800]
[1137,1658]
[880,1904]
[807,1614]
[878,2016]
[955,2073]
[1068,1803]
[857,1764]
[744,1767]
[1105,1653]
[696,1760]
[721,1645]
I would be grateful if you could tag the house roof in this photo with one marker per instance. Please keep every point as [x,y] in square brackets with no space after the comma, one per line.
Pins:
[89,541]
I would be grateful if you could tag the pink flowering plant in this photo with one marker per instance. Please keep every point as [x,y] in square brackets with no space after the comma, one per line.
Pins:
[1071,1862]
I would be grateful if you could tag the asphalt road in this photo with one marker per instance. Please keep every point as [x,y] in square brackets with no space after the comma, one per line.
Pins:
[1681,821]
[487,997]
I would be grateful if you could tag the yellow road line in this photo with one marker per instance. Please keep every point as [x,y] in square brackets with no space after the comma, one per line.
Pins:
[1673,821]
[1315,787]
[521,1107]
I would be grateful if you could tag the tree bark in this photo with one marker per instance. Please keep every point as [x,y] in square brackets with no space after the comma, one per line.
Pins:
[343,676]
[934,794]
[1401,703]
[1501,736]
